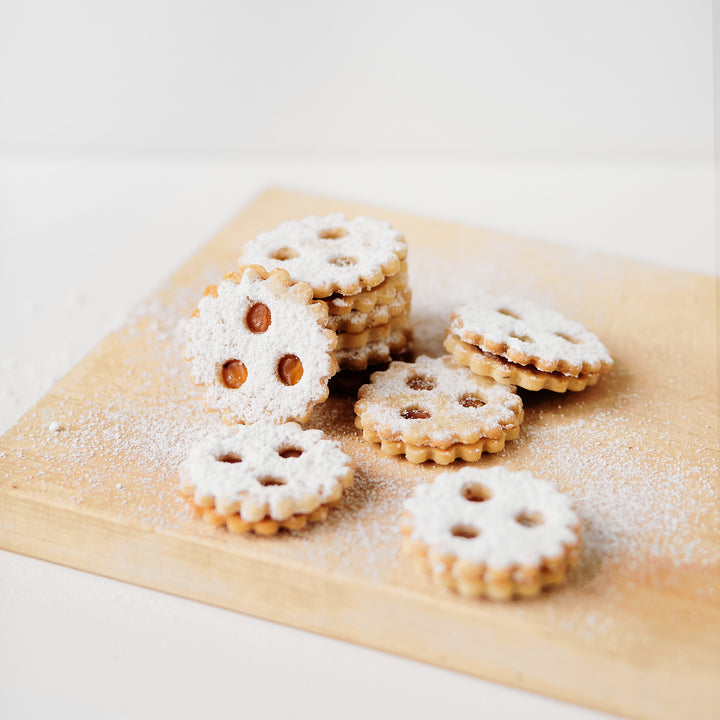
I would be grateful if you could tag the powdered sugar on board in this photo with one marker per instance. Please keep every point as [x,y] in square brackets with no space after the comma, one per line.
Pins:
[119,430]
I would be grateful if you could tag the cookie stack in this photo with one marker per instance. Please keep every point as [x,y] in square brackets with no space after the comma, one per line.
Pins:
[517,342]
[359,269]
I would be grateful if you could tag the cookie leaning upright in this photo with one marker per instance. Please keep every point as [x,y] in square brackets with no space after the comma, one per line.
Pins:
[517,342]
[259,345]
[358,268]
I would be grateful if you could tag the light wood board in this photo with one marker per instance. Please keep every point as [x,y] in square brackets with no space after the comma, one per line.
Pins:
[635,631]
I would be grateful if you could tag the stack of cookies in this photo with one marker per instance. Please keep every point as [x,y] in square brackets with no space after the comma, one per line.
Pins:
[359,269]
[517,342]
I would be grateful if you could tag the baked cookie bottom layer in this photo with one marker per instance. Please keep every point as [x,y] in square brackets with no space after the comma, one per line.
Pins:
[356,321]
[367,299]
[266,526]
[416,454]
[509,373]
[375,353]
[474,580]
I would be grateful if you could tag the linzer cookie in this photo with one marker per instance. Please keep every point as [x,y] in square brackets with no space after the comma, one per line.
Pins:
[264,477]
[436,409]
[358,268]
[491,532]
[259,345]
[331,253]
[519,343]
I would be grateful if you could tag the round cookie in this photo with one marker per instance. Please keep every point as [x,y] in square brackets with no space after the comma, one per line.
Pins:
[436,409]
[258,344]
[264,476]
[508,373]
[491,532]
[331,253]
[528,334]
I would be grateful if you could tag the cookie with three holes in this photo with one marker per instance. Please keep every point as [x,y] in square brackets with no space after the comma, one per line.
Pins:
[517,342]
[331,253]
[259,345]
[436,409]
[264,477]
[491,532]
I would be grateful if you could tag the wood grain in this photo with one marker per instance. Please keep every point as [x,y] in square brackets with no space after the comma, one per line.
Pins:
[636,631]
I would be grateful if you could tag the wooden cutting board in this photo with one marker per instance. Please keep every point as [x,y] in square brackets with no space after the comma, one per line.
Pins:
[88,479]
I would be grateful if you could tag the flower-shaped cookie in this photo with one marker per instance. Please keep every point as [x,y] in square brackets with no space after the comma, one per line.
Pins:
[437,409]
[259,345]
[331,253]
[492,532]
[528,334]
[263,477]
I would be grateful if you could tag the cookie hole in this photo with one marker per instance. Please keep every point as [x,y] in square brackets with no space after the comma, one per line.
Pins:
[469,400]
[271,481]
[464,531]
[284,253]
[476,492]
[529,520]
[289,369]
[291,452]
[509,313]
[569,338]
[414,413]
[233,374]
[420,382]
[522,338]
[231,458]
[258,318]
[334,233]
[343,262]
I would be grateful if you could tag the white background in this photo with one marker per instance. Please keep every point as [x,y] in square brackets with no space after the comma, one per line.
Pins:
[407,79]
[130,132]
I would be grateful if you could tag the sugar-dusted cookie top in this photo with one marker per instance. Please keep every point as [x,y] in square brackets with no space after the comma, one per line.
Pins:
[259,345]
[529,334]
[331,253]
[266,470]
[493,517]
[436,402]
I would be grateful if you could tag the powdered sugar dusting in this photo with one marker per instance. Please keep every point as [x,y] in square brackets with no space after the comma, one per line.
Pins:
[632,509]
[517,520]
[331,253]
[230,466]
[436,401]
[129,424]
[220,334]
[530,334]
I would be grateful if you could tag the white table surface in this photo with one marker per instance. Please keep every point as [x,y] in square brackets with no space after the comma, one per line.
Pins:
[84,239]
